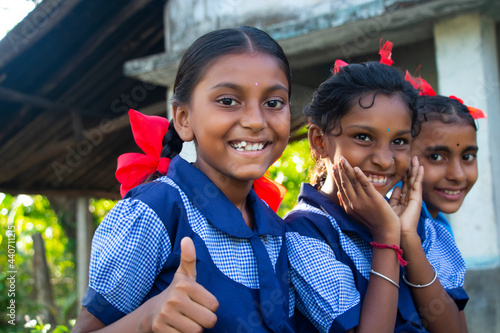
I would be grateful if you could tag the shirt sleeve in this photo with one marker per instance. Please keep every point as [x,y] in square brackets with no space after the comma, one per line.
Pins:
[442,252]
[325,291]
[129,250]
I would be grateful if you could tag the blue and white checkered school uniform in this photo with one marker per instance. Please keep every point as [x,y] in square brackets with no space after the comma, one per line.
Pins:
[439,219]
[330,259]
[136,252]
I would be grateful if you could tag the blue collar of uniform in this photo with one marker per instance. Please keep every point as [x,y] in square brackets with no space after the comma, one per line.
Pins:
[217,208]
[440,218]
[315,198]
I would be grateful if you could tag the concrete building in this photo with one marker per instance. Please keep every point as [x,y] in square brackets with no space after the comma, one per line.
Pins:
[456,44]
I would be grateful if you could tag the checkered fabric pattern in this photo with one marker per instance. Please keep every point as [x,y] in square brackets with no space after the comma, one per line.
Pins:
[443,253]
[132,244]
[325,287]
[233,256]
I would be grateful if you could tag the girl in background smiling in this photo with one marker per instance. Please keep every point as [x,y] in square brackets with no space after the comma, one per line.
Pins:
[347,244]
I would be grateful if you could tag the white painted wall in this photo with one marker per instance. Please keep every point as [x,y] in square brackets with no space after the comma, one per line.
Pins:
[466,58]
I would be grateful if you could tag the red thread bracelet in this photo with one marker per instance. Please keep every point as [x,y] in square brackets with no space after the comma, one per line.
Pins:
[396,248]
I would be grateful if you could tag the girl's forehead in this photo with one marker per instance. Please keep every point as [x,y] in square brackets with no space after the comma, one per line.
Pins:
[245,68]
[451,134]
[370,107]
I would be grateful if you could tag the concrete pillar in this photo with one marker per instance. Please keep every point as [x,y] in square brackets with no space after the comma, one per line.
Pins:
[467,67]
[82,244]
[466,60]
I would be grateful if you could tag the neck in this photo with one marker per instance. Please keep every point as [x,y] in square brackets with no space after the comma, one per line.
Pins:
[238,194]
[236,191]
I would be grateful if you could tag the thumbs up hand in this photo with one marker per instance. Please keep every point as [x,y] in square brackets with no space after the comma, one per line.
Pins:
[185,306]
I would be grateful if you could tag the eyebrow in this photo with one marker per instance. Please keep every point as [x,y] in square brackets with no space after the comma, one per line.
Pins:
[371,129]
[240,88]
[446,149]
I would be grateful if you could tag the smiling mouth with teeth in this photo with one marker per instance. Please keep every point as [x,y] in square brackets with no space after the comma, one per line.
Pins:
[375,179]
[449,192]
[248,146]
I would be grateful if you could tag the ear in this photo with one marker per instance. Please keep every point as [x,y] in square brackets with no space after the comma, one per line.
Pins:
[182,122]
[317,142]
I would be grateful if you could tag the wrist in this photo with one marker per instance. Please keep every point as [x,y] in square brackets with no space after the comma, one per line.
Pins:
[389,237]
[410,239]
[145,322]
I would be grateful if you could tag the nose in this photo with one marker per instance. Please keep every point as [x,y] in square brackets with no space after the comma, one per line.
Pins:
[383,157]
[253,117]
[455,170]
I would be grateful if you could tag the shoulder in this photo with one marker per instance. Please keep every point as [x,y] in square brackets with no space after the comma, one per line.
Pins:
[162,196]
[307,220]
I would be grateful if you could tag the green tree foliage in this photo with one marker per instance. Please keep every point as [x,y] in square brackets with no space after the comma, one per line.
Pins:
[291,170]
[27,215]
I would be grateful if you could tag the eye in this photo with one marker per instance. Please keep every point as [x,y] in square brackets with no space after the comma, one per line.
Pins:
[227,101]
[400,142]
[274,104]
[362,137]
[469,157]
[436,157]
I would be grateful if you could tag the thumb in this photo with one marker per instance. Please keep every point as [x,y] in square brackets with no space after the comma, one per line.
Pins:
[187,265]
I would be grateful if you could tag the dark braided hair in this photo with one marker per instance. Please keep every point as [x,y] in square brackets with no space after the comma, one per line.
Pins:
[335,97]
[172,143]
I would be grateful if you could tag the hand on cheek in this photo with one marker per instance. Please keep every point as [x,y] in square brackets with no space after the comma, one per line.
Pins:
[363,202]
[407,201]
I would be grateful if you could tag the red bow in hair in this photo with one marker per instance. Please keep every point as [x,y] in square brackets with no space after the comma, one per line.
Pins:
[270,191]
[425,89]
[134,168]
[385,52]
[474,112]
[420,84]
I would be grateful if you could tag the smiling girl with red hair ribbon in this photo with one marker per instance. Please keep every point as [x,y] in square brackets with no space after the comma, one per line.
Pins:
[192,246]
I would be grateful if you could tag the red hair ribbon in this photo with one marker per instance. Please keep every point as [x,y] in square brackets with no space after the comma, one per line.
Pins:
[134,168]
[474,112]
[385,52]
[338,65]
[420,84]
[270,191]
[425,89]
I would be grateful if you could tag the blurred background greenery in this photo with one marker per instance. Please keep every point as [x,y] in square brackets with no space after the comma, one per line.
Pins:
[36,215]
